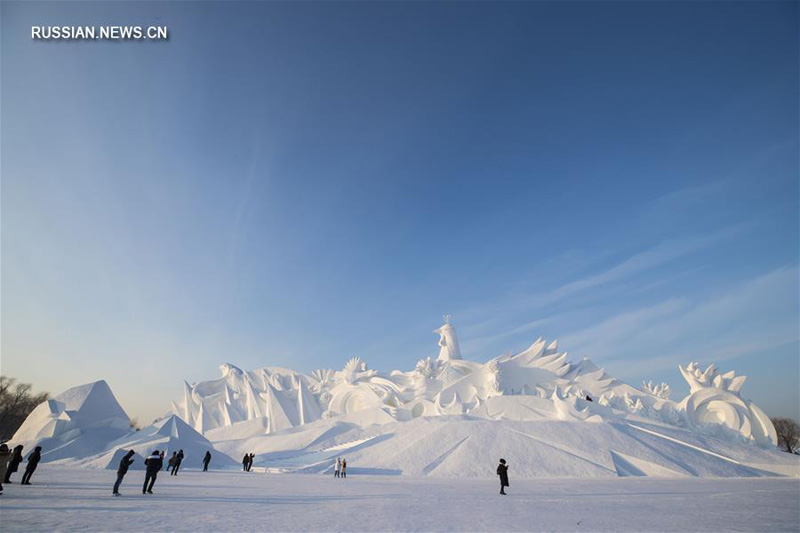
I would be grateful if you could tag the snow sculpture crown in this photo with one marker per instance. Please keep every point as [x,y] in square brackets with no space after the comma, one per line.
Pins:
[714,400]
[698,379]
[536,382]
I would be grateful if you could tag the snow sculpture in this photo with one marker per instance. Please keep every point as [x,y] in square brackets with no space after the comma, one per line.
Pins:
[80,420]
[356,388]
[169,434]
[76,410]
[662,390]
[273,399]
[714,400]
[448,341]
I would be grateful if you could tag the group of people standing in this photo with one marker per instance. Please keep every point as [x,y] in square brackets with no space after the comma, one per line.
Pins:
[10,461]
[153,465]
[340,468]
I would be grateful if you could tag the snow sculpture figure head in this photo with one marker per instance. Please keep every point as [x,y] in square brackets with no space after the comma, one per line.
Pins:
[448,341]
[714,400]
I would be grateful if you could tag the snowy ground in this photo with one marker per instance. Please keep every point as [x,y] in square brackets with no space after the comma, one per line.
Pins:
[68,499]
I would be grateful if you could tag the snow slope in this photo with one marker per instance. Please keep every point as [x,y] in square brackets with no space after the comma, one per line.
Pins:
[462,446]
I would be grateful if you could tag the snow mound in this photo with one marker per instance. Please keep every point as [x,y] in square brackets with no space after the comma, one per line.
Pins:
[465,446]
[169,435]
[78,422]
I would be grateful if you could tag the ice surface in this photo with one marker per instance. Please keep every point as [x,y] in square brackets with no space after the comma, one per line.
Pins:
[80,500]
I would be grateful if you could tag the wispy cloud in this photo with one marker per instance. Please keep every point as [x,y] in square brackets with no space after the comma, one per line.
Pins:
[622,272]
[477,344]
[649,259]
[757,314]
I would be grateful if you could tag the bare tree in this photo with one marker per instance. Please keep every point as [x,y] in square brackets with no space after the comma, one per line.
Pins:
[16,403]
[788,434]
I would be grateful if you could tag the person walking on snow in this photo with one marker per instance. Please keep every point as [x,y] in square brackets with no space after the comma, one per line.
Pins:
[124,463]
[502,471]
[250,461]
[153,464]
[206,460]
[13,464]
[337,467]
[30,468]
[177,464]
[245,460]
[344,468]
[171,462]
[5,458]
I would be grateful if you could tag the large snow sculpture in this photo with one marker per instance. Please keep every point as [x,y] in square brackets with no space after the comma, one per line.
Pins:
[79,421]
[272,399]
[714,400]
[280,396]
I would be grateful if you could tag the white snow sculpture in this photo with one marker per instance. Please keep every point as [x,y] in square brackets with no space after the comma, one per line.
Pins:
[448,341]
[170,434]
[75,410]
[714,400]
[273,399]
[79,421]
[662,390]
[357,388]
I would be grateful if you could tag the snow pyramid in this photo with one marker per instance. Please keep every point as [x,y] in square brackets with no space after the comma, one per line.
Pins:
[78,422]
[169,435]
[172,434]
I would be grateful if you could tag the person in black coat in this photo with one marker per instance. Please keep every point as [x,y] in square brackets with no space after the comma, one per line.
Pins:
[502,471]
[13,465]
[177,464]
[245,462]
[250,461]
[124,463]
[30,468]
[171,462]
[206,460]
[153,464]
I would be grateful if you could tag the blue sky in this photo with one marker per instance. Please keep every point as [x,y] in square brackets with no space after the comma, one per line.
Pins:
[296,184]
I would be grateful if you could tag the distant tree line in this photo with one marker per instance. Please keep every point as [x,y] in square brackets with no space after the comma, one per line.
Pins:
[16,403]
[788,434]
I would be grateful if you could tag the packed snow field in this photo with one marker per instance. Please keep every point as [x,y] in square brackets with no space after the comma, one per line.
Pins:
[71,499]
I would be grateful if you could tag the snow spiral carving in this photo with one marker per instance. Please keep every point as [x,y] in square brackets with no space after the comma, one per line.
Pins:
[714,400]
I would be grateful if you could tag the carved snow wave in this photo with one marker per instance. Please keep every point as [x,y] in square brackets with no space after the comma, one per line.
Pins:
[278,398]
